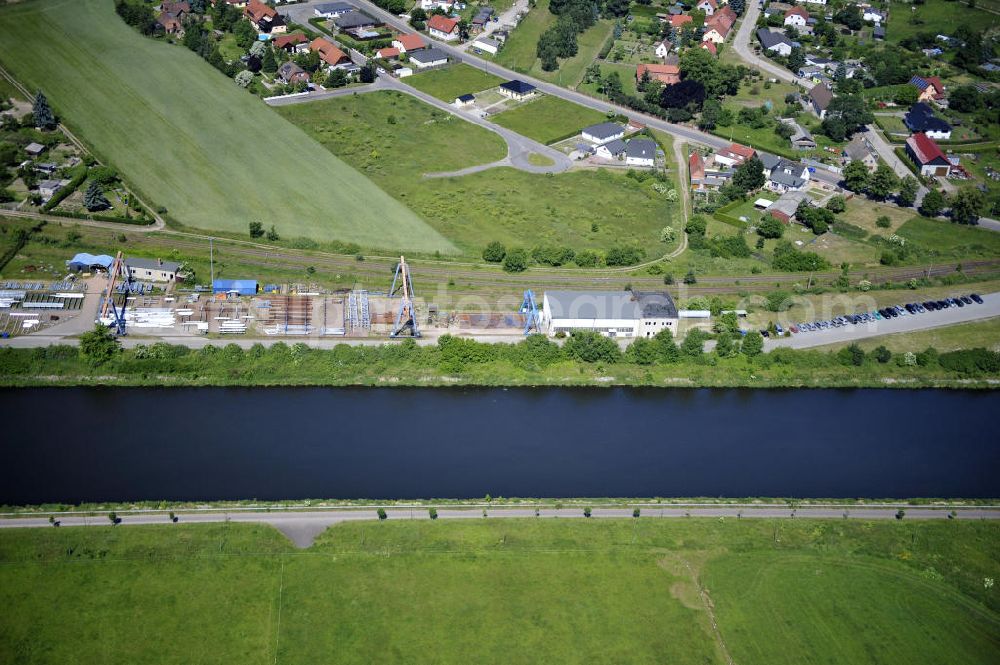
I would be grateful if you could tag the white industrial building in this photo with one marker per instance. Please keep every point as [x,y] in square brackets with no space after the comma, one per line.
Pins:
[610,313]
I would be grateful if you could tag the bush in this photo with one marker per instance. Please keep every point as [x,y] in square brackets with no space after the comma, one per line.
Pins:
[591,347]
[587,258]
[433,513]
[494,252]
[623,256]
[852,355]
[970,361]
[770,227]
[381,514]
[882,354]
[883,222]
[516,260]
[789,259]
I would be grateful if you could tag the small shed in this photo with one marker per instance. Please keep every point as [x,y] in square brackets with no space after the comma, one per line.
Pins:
[34,149]
[241,287]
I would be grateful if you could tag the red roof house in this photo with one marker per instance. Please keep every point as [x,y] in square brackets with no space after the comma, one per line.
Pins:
[388,53]
[328,52]
[678,20]
[928,156]
[409,42]
[710,46]
[734,155]
[667,74]
[443,27]
[290,42]
[719,24]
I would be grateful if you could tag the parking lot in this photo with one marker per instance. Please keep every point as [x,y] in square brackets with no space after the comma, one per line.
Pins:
[907,316]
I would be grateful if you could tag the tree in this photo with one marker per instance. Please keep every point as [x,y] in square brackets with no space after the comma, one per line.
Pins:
[591,347]
[666,348]
[883,182]
[836,204]
[267,62]
[882,355]
[432,513]
[494,252]
[965,99]
[908,188]
[99,345]
[244,33]
[635,511]
[368,72]
[749,175]
[94,199]
[42,113]
[738,6]
[967,206]
[850,16]
[856,176]
[272,234]
[724,347]
[688,94]
[770,227]
[693,345]
[337,78]
[381,514]
[256,229]
[840,74]
[587,511]
[113,518]
[852,355]
[244,78]
[851,110]
[932,205]
[418,14]
[515,260]
[753,344]
[883,222]
[690,278]
[796,59]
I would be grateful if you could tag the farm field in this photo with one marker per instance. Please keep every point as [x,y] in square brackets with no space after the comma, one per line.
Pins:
[517,208]
[188,139]
[510,591]
[933,14]
[448,83]
[520,51]
[548,119]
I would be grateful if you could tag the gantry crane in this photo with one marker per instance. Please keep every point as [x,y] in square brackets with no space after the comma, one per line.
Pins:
[406,317]
[119,273]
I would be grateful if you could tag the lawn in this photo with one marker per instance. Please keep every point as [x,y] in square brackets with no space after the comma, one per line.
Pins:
[448,83]
[517,208]
[939,239]
[188,139]
[950,338]
[625,72]
[864,212]
[935,15]
[504,591]
[520,51]
[548,119]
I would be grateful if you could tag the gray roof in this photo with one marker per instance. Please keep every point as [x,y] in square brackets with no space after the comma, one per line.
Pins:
[769,39]
[615,147]
[787,179]
[857,150]
[429,55]
[801,133]
[486,40]
[788,203]
[641,148]
[821,95]
[354,20]
[50,184]
[152,264]
[610,304]
[768,160]
[604,130]
[34,148]
[334,7]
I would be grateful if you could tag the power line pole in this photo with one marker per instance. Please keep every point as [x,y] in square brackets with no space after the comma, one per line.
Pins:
[211,260]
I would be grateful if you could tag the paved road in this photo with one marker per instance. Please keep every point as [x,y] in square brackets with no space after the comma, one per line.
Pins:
[886,152]
[303,527]
[742,45]
[910,323]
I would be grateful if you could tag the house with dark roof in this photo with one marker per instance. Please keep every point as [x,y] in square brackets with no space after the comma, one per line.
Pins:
[464,100]
[787,176]
[294,42]
[927,155]
[820,96]
[355,20]
[640,152]
[289,72]
[929,88]
[775,42]
[603,132]
[333,9]
[266,20]
[800,139]
[431,57]
[170,24]
[153,270]
[518,90]
[787,205]
[178,9]
[734,155]
[609,313]
[921,118]
[613,149]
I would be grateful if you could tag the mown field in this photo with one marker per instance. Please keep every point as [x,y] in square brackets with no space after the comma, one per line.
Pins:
[188,138]
[517,208]
[548,119]
[448,83]
[520,53]
[505,591]
[934,15]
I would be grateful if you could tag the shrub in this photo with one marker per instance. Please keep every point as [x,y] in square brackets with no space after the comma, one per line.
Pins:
[494,252]
[586,511]
[516,260]
[433,513]
[381,514]
[882,354]
[883,222]
[591,347]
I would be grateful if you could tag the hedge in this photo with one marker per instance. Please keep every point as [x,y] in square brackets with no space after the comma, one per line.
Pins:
[722,215]
[63,192]
[103,218]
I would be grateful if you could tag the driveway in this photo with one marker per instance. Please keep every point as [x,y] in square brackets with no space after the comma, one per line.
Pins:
[910,323]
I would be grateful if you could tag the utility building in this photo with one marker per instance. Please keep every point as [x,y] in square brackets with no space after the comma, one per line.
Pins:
[153,270]
[610,313]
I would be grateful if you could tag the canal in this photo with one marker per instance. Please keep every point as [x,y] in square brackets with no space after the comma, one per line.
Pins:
[78,445]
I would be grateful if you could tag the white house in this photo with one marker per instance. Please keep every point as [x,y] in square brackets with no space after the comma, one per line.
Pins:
[775,42]
[153,270]
[464,100]
[640,152]
[796,16]
[876,16]
[332,9]
[815,2]
[619,314]
[708,6]
[611,150]
[518,90]
[431,57]
[486,45]
[442,27]
[603,132]
[663,49]
[430,5]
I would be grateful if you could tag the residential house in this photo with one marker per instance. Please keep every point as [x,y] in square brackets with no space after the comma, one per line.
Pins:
[464,100]
[611,150]
[734,155]
[34,149]
[153,270]
[815,2]
[481,19]
[48,188]
[928,88]
[178,9]
[921,118]
[266,20]
[678,21]
[518,90]
[857,151]
[796,17]
[486,45]
[294,42]
[820,96]
[431,57]
[876,16]
[663,49]
[927,155]
[708,6]
[603,132]
[776,42]
[710,46]
[407,43]
[388,53]
[801,139]
[356,21]
[788,176]
[289,72]
[238,4]
[329,53]
[719,25]
[769,161]
[443,27]
[787,205]
[666,74]
[431,5]
[170,24]
[333,9]
[640,152]
[776,8]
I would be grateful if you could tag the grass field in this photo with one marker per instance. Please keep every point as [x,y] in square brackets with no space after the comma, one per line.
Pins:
[188,138]
[448,83]
[517,208]
[934,14]
[548,119]
[625,72]
[520,51]
[947,240]
[505,591]
[963,336]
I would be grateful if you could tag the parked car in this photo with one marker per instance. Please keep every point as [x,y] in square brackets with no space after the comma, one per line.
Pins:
[976,298]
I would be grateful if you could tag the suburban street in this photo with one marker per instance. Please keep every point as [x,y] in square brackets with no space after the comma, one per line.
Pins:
[302,527]
[745,36]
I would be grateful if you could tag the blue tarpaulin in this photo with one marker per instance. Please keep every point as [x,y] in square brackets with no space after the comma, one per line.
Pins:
[84,261]
[244,287]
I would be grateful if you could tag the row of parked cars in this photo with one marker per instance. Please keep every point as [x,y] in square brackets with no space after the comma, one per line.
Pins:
[891,312]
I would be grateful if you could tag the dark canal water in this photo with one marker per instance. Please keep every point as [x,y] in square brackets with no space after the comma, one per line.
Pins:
[76,445]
